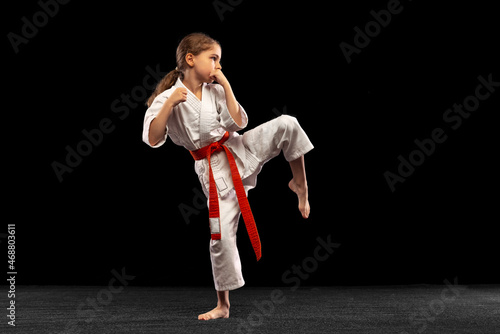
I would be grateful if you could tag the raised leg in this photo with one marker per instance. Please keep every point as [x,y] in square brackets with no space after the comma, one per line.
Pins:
[299,185]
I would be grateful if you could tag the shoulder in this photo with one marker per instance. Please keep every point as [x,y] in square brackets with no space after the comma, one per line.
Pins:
[215,89]
[163,96]
[159,100]
[166,94]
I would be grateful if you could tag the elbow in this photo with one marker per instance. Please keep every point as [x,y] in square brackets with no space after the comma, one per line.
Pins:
[152,140]
[153,136]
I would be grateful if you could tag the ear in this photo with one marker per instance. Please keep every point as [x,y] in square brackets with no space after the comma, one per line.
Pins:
[190,59]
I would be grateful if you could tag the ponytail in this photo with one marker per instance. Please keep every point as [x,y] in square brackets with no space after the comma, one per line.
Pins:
[164,84]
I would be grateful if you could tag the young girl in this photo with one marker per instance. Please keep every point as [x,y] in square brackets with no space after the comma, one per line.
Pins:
[204,117]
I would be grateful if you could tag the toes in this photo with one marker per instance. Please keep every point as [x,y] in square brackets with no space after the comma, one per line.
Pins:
[305,212]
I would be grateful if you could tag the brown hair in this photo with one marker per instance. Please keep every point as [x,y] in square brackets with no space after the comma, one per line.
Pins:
[195,44]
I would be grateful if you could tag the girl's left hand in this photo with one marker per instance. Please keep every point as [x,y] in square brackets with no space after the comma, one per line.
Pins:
[218,76]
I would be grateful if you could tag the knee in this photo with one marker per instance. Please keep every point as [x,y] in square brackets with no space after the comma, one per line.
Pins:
[287,122]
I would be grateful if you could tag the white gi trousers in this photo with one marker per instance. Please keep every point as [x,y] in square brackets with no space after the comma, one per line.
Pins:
[263,142]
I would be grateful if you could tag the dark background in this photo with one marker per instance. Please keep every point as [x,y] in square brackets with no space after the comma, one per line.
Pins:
[120,206]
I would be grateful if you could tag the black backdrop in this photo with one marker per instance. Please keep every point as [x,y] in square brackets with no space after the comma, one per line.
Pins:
[119,206]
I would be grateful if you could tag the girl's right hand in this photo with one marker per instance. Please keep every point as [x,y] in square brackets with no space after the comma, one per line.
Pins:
[179,95]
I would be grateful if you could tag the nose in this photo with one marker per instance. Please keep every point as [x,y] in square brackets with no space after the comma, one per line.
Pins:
[218,66]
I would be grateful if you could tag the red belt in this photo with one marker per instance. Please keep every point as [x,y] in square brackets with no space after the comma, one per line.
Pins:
[246,212]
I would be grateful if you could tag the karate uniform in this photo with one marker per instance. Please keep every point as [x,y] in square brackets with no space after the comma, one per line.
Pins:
[195,124]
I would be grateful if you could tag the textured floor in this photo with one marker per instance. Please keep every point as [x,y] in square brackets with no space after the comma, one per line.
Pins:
[400,309]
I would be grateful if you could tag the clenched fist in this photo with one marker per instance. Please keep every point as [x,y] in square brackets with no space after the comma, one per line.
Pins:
[179,95]
[218,76]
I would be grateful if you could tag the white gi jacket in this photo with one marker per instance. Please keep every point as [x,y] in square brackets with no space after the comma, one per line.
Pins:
[195,124]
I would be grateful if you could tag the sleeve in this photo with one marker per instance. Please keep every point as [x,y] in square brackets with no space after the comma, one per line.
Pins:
[151,113]
[226,121]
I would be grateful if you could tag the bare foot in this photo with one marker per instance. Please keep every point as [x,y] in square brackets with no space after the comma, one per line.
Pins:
[301,191]
[220,312]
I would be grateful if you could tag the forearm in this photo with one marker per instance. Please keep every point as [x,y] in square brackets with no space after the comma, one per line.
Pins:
[158,126]
[232,104]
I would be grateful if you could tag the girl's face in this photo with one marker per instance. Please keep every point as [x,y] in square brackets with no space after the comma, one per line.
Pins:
[207,62]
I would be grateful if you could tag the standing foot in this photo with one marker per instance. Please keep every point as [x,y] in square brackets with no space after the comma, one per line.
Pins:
[302,194]
[220,312]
